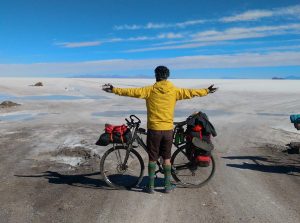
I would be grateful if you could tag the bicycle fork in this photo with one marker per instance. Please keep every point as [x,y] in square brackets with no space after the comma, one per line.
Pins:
[122,166]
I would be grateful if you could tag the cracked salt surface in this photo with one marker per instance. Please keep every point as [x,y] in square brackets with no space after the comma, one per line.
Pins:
[73,151]
[72,161]
[178,112]
[286,128]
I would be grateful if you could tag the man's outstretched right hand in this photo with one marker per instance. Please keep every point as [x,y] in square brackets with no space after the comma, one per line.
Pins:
[212,89]
[107,87]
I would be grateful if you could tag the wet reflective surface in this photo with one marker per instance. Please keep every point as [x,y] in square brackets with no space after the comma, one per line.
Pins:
[20,117]
[178,113]
[5,97]
[272,114]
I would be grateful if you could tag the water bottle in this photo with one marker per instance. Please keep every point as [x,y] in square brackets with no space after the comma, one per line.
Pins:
[181,135]
[177,138]
[181,138]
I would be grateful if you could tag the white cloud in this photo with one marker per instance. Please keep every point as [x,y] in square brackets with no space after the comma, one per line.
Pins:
[252,15]
[248,16]
[288,11]
[189,23]
[169,35]
[159,36]
[187,62]
[275,48]
[245,33]
[78,44]
[172,47]
[151,25]
[213,37]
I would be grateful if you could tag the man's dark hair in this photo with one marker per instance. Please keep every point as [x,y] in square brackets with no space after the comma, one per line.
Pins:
[161,73]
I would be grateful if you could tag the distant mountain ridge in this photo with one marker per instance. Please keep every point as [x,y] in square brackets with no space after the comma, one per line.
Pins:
[111,76]
[292,77]
[142,76]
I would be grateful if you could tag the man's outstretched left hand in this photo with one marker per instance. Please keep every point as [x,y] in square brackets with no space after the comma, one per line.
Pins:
[212,89]
[107,87]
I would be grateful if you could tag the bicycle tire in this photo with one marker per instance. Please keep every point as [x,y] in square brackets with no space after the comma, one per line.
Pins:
[175,172]
[122,180]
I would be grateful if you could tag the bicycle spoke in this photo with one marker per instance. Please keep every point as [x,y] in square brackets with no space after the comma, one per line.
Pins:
[118,156]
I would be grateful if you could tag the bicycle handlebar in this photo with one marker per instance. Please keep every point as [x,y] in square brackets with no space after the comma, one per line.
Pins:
[132,117]
[134,120]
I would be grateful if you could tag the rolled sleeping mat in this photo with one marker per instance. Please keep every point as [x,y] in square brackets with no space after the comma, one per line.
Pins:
[208,147]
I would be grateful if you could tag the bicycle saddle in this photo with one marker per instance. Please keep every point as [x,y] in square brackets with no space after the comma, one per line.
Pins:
[202,144]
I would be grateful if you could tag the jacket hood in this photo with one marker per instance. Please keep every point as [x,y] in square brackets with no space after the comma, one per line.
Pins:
[163,86]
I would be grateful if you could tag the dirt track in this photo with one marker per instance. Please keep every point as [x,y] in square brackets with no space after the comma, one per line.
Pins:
[253,185]
[255,180]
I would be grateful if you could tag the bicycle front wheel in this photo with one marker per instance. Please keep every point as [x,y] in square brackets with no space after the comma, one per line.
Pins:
[118,174]
[187,172]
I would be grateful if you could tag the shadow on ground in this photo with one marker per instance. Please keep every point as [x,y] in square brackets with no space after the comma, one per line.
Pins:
[267,164]
[78,180]
[87,180]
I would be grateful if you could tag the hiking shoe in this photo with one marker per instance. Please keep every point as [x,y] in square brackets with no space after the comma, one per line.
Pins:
[170,188]
[149,190]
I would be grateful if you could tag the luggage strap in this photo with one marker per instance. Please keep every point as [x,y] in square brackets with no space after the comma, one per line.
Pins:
[111,129]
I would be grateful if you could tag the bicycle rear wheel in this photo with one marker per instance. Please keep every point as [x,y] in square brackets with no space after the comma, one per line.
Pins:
[118,174]
[187,172]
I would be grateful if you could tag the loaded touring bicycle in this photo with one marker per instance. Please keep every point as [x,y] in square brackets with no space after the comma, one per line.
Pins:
[122,165]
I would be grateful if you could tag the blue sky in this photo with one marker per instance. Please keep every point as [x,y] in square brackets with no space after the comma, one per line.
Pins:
[195,38]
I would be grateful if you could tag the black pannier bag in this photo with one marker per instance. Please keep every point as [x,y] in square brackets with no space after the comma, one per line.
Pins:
[114,134]
[199,127]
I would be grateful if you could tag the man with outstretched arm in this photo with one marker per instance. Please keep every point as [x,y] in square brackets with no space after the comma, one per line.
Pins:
[160,99]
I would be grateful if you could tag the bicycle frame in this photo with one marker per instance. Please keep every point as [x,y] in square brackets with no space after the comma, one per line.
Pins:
[137,140]
[135,137]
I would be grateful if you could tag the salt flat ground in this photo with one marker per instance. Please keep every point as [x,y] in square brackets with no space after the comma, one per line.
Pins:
[49,169]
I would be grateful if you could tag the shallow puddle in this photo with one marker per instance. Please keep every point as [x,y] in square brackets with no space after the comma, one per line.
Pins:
[178,113]
[208,112]
[120,113]
[16,117]
[5,97]
[272,114]
[20,117]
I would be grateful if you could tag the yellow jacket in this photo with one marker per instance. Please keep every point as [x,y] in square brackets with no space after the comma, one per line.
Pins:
[160,100]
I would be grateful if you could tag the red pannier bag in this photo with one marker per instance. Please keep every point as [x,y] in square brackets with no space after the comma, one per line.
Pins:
[114,134]
[201,151]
